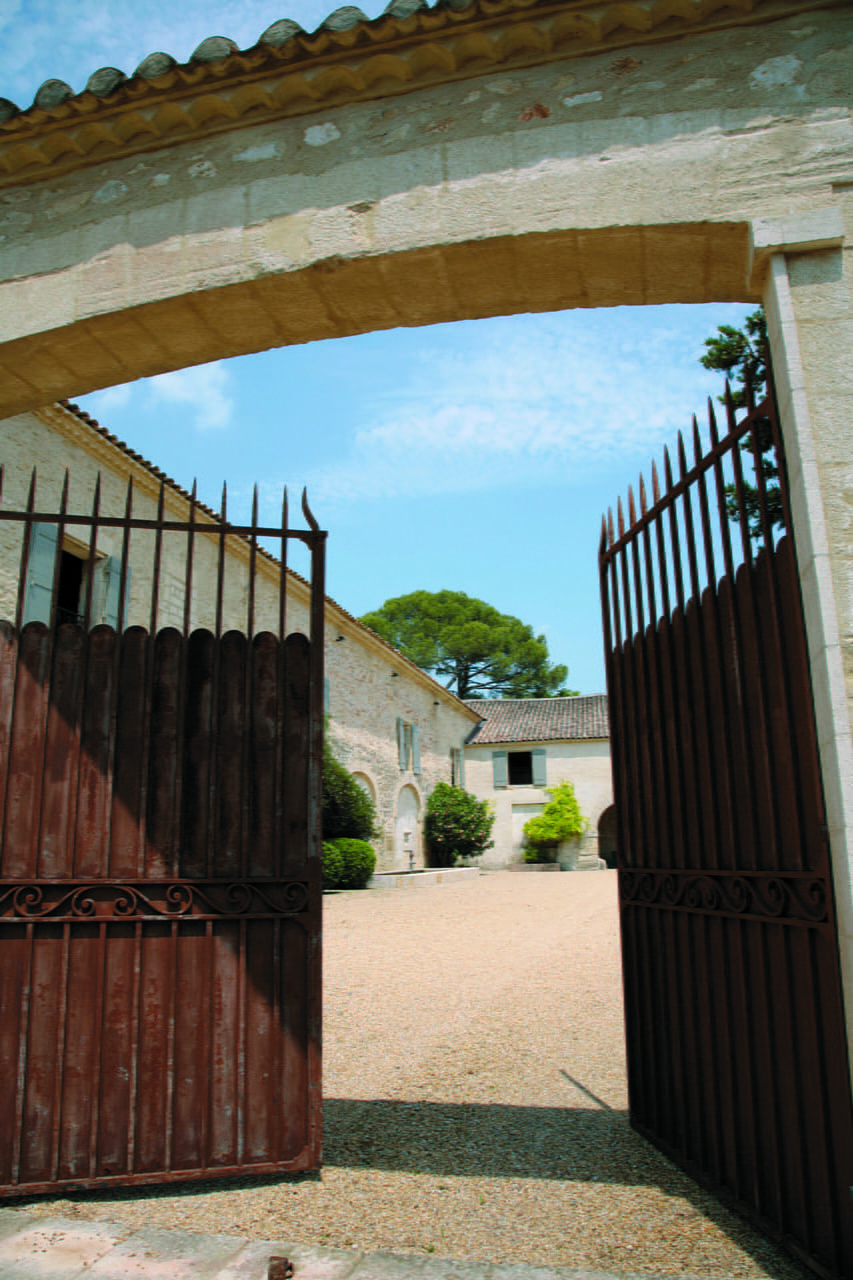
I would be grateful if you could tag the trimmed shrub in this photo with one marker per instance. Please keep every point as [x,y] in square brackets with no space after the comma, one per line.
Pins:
[347,864]
[457,825]
[560,820]
[333,865]
[347,810]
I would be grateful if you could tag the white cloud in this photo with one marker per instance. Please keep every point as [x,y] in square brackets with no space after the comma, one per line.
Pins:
[104,402]
[556,407]
[204,388]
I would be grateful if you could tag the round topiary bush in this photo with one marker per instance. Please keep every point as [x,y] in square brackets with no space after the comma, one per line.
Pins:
[333,865]
[457,825]
[347,863]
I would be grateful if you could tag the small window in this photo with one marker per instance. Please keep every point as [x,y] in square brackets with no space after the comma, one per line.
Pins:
[520,768]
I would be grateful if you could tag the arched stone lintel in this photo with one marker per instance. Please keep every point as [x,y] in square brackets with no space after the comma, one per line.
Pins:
[338,296]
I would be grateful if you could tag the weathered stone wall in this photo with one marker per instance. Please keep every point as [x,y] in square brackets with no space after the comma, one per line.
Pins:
[585,764]
[365,698]
[588,181]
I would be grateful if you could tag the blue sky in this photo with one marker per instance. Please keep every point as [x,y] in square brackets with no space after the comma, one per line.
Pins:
[477,457]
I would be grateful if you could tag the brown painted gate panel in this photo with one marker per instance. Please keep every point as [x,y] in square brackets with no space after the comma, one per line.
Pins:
[160,886]
[737,1057]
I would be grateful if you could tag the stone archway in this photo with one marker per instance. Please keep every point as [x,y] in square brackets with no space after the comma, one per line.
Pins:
[455,163]
[407,839]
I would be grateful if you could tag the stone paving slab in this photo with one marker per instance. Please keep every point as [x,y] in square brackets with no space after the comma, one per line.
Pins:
[69,1249]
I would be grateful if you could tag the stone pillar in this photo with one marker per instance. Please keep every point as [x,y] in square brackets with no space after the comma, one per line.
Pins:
[808,296]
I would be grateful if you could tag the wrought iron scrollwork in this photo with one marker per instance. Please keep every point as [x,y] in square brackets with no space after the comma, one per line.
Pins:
[794,897]
[98,900]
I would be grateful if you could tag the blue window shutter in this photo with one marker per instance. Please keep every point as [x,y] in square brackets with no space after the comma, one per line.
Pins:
[540,776]
[499,769]
[401,743]
[109,572]
[327,695]
[416,749]
[44,544]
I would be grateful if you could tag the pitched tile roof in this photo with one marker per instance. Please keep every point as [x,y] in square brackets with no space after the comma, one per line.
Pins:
[540,719]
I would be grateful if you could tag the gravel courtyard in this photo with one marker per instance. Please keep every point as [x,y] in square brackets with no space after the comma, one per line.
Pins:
[475,1098]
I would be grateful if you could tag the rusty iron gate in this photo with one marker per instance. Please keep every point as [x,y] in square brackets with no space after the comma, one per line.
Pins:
[737,1057]
[160,889]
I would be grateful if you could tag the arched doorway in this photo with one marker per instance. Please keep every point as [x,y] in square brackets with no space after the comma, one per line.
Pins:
[607,836]
[406,830]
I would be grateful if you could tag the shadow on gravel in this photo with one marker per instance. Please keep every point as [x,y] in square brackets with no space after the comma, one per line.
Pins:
[488,1141]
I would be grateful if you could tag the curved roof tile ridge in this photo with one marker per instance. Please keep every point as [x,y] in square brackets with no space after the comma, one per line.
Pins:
[107,80]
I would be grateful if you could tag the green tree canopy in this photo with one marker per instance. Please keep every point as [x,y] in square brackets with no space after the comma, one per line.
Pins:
[477,651]
[741,354]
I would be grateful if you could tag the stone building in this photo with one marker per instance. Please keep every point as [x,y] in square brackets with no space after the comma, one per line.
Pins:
[524,745]
[394,727]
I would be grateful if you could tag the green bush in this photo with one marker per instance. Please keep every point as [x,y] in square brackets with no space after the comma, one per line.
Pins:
[457,825]
[347,864]
[347,810]
[560,820]
[333,864]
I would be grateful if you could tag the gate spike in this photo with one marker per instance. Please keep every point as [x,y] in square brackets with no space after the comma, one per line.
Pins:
[602,543]
[284,507]
[697,442]
[655,485]
[620,519]
[682,456]
[632,513]
[643,504]
[712,424]
[63,501]
[731,421]
[31,497]
[610,530]
[224,504]
[307,512]
[667,469]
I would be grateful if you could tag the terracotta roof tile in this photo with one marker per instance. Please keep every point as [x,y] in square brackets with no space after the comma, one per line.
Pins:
[540,719]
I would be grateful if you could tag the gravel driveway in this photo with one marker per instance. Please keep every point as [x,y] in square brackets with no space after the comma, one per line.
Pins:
[475,1098]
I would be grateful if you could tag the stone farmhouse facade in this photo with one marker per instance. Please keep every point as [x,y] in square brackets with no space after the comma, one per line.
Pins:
[395,728]
[524,745]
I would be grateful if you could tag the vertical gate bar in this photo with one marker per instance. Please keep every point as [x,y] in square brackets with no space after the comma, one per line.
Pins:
[789,1089]
[150,658]
[93,550]
[314,1020]
[672,970]
[188,572]
[767,1094]
[135,1023]
[281,676]
[158,552]
[23,1053]
[220,559]
[169,1110]
[637,812]
[209,1034]
[751,625]
[25,553]
[242,978]
[674,539]
[60,533]
[641,675]
[181,692]
[673,743]
[750,1186]
[610,620]
[781,616]
[277,1102]
[723,780]
[8,682]
[655,671]
[728,560]
[97,1056]
[253,555]
[125,557]
[60,1052]
[706,792]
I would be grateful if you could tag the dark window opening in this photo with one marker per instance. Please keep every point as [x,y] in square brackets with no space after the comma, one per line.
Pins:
[520,768]
[69,588]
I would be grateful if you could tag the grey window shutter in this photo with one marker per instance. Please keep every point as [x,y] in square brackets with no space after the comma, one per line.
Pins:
[461,771]
[109,574]
[540,776]
[44,544]
[499,769]
[401,743]
[327,695]
[416,749]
